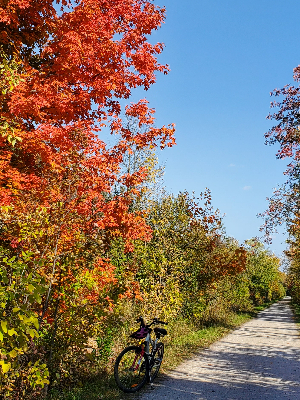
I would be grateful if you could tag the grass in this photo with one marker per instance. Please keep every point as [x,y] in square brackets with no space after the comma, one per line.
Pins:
[296,310]
[186,340]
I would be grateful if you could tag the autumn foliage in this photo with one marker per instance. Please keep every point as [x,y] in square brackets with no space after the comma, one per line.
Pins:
[284,204]
[82,241]
[65,69]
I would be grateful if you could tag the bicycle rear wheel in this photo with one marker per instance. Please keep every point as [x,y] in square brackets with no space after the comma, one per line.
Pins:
[131,369]
[156,361]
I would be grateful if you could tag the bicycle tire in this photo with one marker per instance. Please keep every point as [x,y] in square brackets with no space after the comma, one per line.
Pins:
[156,361]
[131,369]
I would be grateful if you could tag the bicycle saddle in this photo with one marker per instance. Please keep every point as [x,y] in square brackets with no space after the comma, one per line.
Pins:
[161,331]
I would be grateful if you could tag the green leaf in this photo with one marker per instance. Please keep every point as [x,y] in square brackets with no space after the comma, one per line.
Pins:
[37,296]
[30,288]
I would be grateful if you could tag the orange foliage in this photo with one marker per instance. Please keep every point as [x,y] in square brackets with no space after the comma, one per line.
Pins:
[57,176]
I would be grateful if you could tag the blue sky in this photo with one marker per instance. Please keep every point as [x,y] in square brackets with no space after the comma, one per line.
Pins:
[225,58]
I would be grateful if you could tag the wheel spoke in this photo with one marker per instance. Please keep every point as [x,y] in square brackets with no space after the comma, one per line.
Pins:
[156,361]
[130,369]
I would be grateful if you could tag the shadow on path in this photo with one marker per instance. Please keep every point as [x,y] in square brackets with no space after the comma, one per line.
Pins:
[260,360]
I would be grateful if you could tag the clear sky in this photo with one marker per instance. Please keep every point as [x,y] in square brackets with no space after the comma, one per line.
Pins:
[225,58]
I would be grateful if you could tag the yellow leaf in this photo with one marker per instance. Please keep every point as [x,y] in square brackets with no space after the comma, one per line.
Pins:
[1,336]
[35,322]
[13,353]
[26,319]
[12,332]
[4,326]
[33,332]
[5,367]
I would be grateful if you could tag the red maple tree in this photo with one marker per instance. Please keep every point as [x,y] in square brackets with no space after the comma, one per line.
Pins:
[66,71]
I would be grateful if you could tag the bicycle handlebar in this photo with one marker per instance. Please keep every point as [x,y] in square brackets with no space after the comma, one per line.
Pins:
[154,321]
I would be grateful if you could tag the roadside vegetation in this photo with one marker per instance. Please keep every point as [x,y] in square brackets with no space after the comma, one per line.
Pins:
[184,339]
[89,240]
[284,205]
[188,273]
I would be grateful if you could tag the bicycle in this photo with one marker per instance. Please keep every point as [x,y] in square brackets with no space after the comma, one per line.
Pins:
[137,365]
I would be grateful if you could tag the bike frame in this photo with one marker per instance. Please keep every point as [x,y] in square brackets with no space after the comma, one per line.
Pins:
[149,341]
[145,350]
[144,360]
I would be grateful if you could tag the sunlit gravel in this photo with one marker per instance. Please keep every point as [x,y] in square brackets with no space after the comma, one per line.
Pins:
[260,360]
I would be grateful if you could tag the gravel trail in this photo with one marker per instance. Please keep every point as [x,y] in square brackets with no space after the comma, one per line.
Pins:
[259,360]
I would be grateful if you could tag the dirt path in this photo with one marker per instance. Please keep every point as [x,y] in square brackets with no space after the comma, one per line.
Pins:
[259,361]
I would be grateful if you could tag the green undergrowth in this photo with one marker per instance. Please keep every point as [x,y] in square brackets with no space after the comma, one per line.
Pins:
[296,310]
[184,340]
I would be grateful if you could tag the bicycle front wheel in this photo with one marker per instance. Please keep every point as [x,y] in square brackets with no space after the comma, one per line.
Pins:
[156,361]
[131,369]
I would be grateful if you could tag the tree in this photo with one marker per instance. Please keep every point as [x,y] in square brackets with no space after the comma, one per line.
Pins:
[284,205]
[65,75]
[185,257]
[263,275]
